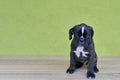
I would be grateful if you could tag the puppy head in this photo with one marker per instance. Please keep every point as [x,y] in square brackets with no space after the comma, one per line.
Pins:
[82,34]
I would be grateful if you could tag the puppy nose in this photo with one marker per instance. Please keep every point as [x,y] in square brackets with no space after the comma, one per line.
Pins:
[81,39]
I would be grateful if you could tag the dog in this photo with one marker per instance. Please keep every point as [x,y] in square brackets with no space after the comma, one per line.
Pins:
[82,50]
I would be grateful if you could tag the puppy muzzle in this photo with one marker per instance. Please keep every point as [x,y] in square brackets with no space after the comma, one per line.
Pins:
[81,41]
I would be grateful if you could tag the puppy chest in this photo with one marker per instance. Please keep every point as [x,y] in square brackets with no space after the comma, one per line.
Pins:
[80,53]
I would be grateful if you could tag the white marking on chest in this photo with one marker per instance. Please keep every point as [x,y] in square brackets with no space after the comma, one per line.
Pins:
[80,50]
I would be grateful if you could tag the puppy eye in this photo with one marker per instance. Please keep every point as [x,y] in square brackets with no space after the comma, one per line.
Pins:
[79,33]
[76,35]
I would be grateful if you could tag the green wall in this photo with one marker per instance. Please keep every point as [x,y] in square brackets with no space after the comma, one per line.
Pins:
[40,27]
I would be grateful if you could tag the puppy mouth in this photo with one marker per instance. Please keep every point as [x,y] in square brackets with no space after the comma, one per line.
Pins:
[81,43]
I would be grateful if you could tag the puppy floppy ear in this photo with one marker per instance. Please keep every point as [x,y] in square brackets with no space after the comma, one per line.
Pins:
[71,32]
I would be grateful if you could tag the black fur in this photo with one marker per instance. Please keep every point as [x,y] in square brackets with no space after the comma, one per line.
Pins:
[88,44]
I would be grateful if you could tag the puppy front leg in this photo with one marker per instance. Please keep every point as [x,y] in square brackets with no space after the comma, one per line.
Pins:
[71,69]
[91,64]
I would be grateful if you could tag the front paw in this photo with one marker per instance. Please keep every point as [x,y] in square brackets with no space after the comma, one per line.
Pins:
[90,75]
[70,71]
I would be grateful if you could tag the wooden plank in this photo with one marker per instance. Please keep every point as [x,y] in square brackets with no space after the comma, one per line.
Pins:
[53,68]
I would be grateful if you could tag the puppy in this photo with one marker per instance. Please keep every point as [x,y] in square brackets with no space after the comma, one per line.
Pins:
[82,50]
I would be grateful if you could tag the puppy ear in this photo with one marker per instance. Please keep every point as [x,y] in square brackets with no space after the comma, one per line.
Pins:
[71,32]
[92,32]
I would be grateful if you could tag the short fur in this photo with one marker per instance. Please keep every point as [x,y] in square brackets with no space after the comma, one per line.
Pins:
[88,44]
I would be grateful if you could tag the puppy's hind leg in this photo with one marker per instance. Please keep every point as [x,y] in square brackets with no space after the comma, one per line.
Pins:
[96,69]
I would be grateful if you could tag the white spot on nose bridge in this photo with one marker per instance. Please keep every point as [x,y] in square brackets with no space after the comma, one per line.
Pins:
[83,28]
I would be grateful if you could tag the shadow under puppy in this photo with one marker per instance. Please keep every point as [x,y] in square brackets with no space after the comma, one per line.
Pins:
[82,50]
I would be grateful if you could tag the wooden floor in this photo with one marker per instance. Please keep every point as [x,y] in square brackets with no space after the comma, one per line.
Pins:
[53,68]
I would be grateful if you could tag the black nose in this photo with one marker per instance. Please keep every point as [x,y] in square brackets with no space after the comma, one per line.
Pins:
[82,39]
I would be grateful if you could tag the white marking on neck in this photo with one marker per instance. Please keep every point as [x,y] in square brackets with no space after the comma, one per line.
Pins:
[80,50]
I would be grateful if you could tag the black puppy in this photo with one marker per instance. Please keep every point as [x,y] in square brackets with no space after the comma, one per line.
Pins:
[82,50]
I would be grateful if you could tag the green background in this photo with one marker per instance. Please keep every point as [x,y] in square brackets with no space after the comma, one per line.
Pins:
[40,27]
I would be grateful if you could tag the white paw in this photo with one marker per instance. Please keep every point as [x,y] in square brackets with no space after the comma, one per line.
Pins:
[90,78]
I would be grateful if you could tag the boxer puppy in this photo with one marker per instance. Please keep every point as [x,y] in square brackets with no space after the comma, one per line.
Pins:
[82,50]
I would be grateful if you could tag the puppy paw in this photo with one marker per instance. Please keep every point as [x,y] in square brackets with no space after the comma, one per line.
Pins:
[70,71]
[96,70]
[90,75]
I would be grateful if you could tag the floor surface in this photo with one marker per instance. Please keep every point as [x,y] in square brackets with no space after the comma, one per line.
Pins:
[54,68]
